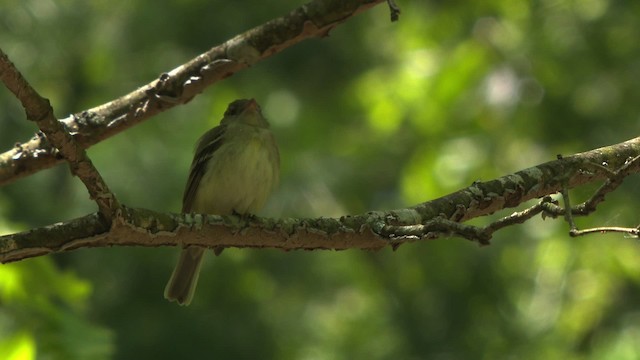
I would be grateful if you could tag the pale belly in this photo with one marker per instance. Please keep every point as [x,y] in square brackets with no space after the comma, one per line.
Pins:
[241,185]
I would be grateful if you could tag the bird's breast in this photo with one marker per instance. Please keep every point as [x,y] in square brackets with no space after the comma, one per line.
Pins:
[239,177]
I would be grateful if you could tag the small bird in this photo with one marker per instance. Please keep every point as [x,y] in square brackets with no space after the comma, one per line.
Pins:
[235,167]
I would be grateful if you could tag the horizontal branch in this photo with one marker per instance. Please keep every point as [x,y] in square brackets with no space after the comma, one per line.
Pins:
[436,218]
[141,227]
[181,84]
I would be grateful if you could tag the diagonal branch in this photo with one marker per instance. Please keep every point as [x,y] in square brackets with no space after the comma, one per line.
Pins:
[181,84]
[438,218]
[482,198]
[39,109]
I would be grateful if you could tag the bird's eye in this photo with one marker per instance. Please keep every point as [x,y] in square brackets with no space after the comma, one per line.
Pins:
[234,108]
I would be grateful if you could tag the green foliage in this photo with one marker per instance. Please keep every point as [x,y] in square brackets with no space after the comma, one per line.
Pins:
[44,311]
[379,115]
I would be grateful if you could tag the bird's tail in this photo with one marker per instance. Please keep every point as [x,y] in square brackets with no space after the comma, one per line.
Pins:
[183,281]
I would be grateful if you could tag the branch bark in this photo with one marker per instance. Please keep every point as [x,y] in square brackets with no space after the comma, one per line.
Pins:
[39,109]
[441,217]
[139,227]
[181,84]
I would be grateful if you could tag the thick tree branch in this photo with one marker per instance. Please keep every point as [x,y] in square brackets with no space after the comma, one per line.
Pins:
[374,230]
[181,84]
[39,109]
[482,198]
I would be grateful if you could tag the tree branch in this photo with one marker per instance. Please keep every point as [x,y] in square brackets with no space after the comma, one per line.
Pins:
[441,217]
[39,109]
[181,84]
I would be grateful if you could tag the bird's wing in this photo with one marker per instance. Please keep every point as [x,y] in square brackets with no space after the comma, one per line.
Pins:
[207,145]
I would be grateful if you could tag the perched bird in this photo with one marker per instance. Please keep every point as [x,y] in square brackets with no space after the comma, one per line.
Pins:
[235,167]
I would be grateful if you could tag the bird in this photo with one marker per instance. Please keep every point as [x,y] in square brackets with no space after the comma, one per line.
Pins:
[235,168]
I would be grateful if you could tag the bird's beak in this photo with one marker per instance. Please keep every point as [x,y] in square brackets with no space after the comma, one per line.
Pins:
[252,105]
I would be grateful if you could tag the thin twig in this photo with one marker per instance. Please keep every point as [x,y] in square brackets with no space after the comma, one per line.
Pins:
[614,180]
[520,217]
[568,216]
[634,232]
[394,10]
